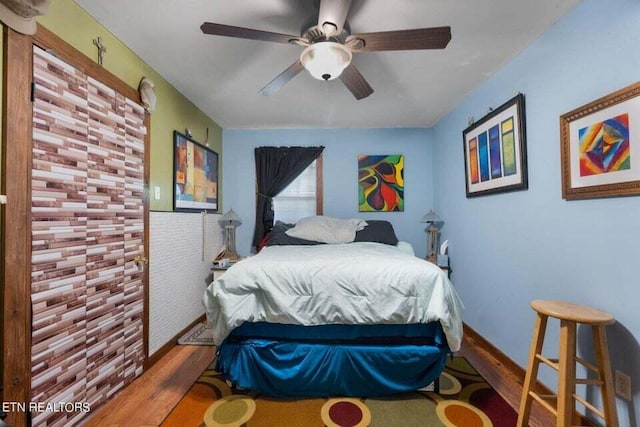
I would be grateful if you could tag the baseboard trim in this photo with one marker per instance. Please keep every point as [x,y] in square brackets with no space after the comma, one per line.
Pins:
[514,369]
[162,351]
[517,370]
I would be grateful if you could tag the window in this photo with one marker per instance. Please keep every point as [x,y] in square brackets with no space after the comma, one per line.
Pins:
[303,197]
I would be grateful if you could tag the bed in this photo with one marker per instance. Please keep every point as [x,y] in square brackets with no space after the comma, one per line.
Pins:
[362,318]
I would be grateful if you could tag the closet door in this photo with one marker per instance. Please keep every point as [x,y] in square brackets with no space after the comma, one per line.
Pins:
[133,239]
[88,234]
[105,243]
[59,236]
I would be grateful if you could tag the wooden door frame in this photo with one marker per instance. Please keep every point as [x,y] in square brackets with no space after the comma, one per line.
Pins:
[17,123]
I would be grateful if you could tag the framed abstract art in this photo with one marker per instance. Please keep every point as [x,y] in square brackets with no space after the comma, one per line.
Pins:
[381,183]
[495,151]
[600,147]
[195,176]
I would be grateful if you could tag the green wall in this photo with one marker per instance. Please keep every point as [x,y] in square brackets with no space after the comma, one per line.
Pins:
[1,96]
[174,112]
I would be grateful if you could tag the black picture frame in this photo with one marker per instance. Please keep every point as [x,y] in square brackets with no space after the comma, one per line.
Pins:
[495,151]
[195,175]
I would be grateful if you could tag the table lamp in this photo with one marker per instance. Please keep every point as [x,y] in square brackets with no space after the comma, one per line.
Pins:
[230,221]
[432,233]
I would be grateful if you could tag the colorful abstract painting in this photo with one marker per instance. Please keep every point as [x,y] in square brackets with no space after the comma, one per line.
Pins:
[381,183]
[195,176]
[599,146]
[473,161]
[509,147]
[495,150]
[604,146]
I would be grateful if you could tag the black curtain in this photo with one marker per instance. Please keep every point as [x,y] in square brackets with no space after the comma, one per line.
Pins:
[277,167]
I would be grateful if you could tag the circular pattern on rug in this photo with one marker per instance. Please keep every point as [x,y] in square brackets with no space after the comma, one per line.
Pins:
[230,411]
[461,368]
[469,390]
[345,412]
[406,410]
[272,411]
[219,387]
[454,413]
[483,397]
[449,385]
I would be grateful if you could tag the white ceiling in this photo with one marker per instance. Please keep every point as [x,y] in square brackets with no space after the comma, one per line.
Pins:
[222,75]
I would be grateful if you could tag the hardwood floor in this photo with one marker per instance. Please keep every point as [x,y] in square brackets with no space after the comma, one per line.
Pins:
[151,397]
[501,377]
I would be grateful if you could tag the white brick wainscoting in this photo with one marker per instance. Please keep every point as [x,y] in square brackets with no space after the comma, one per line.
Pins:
[177,274]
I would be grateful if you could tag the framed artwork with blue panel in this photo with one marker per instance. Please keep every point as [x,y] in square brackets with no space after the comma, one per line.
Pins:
[195,176]
[600,147]
[495,150]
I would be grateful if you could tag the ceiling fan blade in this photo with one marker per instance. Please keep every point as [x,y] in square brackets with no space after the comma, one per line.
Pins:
[246,33]
[420,38]
[333,13]
[355,82]
[274,85]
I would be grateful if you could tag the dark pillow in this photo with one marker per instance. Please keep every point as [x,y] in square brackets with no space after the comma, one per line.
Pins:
[377,231]
[278,237]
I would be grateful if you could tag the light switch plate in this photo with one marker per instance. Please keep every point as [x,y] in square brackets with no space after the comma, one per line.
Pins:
[156,192]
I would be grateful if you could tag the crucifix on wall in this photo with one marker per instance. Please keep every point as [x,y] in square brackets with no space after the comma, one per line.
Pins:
[102,49]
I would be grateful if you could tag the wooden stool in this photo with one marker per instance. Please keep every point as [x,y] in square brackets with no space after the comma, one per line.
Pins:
[570,315]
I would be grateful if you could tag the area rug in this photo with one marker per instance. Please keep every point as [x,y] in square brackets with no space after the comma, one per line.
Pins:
[465,400]
[200,334]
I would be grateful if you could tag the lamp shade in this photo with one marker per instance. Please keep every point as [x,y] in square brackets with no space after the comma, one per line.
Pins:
[230,218]
[431,217]
[325,60]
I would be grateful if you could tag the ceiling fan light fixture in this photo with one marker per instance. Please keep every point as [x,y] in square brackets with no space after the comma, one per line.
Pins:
[326,60]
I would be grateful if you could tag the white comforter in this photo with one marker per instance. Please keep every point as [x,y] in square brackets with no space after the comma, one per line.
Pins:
[354,283]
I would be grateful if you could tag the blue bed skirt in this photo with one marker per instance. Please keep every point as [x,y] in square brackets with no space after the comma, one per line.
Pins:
[333,360]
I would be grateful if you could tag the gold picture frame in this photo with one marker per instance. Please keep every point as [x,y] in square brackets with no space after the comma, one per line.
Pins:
[600,147]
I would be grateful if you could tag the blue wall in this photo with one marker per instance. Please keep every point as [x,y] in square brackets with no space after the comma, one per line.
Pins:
[340,157]
[509,249]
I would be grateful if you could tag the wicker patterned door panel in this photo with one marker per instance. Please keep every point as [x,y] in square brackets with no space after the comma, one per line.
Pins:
[105,243]
[59,228]
[133,238]
[87,229]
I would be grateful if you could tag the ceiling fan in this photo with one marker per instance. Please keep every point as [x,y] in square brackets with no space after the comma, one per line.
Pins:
[329,46]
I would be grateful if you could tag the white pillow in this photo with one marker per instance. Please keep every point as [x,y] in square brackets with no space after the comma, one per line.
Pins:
[326,229]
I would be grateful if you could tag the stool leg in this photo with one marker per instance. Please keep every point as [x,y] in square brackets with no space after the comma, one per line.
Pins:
[532,370]
[566,373]
[604,366]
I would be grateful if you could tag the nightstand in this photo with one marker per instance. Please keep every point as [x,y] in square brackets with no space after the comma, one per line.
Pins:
[218,272]
[446,269]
